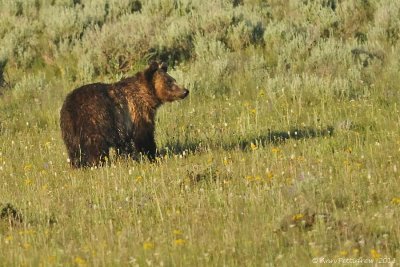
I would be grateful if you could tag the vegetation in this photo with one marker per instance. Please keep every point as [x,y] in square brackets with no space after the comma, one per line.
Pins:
[286,151]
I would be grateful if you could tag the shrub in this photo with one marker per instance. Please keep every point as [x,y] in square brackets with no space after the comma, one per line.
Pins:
[21,43]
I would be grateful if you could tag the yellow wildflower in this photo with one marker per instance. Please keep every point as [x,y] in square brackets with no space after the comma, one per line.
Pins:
[179,242]
[396,200]
[148,245]
[253,146]
[227,161]
[249,178]
[28,167]
[343,253]
[27,232]
[177,232]
[355,252]
[275,150]
[28,181]
[79,261]
[375,254]
[297,217]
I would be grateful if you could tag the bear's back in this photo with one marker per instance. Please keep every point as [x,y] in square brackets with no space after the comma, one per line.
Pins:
[86,94]
[89,108]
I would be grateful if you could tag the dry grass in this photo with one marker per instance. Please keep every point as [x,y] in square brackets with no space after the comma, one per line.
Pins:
[287,149]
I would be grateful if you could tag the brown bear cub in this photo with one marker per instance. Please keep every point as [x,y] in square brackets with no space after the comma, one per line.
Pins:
[96,117]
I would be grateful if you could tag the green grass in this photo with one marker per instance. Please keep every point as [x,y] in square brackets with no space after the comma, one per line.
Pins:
[286,150]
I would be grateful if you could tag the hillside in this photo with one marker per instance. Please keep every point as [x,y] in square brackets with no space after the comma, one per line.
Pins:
[286,151]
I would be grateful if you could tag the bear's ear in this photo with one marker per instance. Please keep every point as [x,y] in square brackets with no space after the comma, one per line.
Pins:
[164,66]
[151,69]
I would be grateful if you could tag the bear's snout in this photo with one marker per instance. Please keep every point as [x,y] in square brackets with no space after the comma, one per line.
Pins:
[185,93]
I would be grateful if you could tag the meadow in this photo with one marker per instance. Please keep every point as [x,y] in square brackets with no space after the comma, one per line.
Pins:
[285,153]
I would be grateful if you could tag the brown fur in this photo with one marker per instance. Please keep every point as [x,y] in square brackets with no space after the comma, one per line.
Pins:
[96,117]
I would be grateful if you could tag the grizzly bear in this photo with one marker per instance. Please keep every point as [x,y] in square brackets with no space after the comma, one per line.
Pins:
[97,117]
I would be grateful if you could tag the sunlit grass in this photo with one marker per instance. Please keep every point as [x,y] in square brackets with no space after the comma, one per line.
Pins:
[286,150]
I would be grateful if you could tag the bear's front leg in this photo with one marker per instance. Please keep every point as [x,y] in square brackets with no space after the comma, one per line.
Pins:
[146,145]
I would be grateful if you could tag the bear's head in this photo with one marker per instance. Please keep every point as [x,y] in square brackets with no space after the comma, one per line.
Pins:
[165,86]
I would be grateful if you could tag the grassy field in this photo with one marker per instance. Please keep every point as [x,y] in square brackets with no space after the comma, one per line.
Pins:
[285,153]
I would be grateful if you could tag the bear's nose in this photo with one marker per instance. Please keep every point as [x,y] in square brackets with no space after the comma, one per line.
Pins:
[185,93]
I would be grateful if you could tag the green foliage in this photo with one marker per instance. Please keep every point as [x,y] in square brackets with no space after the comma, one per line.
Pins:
[286,150]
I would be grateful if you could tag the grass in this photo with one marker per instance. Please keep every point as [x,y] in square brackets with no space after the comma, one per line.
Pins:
[287,149]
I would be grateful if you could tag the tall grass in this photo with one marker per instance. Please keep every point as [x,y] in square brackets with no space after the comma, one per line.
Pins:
[286,152]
